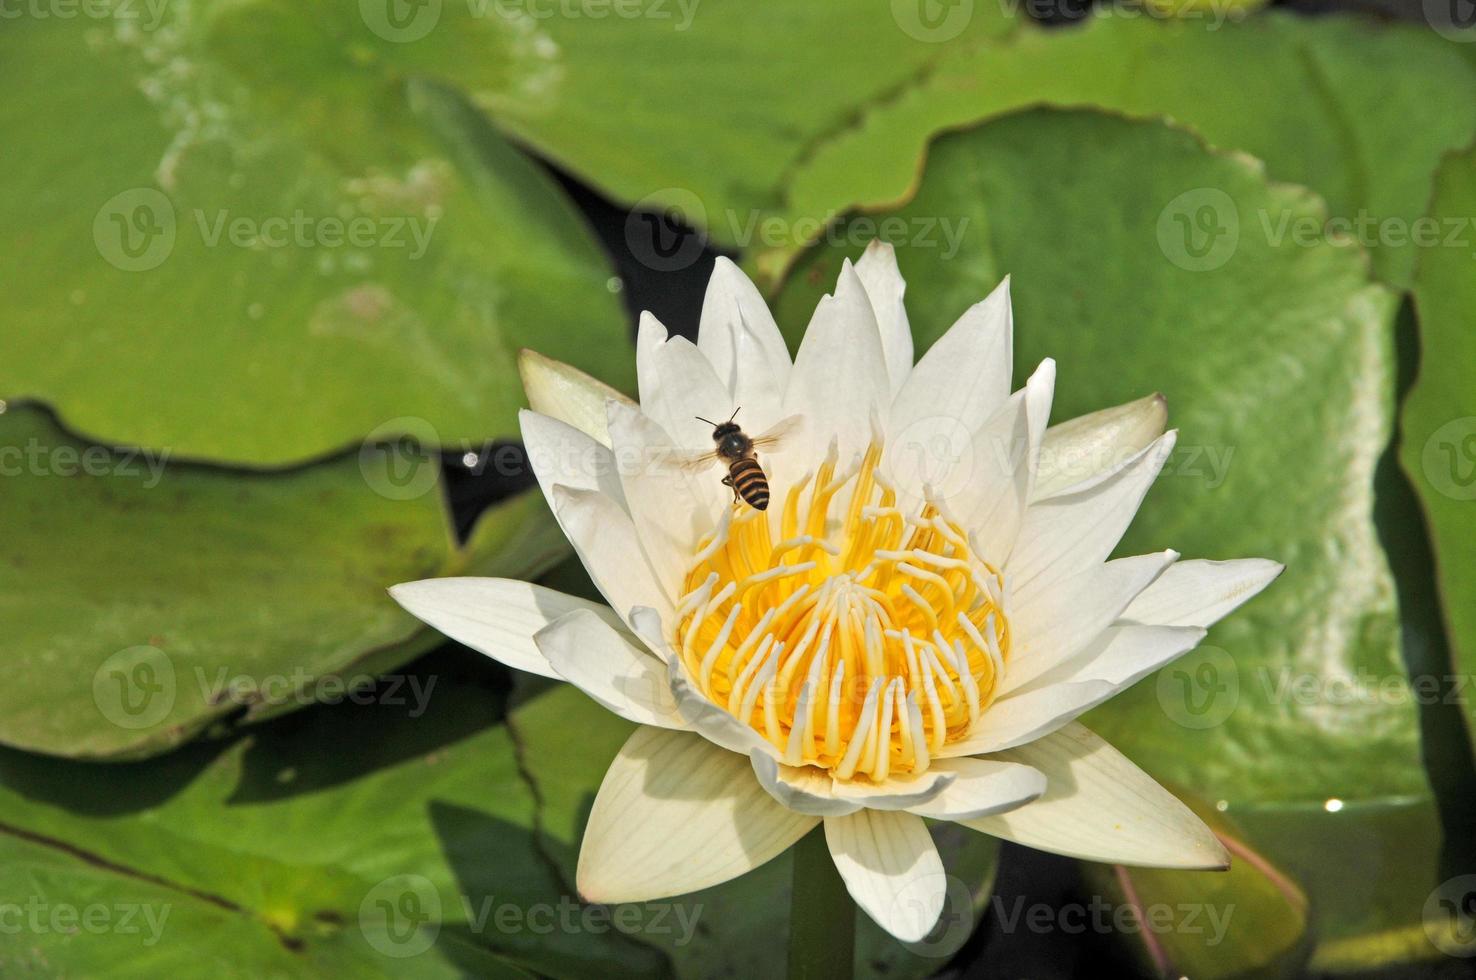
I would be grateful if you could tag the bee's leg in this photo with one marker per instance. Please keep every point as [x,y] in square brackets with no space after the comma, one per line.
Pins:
[728,482]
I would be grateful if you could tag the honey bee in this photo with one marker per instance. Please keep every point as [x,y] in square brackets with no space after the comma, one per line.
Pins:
[746,478]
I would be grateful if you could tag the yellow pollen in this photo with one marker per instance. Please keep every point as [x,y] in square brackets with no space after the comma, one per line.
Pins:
[862,641]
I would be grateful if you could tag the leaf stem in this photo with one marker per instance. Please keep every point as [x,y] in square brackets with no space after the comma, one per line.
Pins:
[822,918]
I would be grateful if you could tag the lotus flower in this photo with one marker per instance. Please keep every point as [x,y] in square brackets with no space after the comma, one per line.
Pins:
[907,634]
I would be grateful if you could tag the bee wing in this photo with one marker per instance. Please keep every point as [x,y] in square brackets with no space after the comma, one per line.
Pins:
[777,434]
[693,462]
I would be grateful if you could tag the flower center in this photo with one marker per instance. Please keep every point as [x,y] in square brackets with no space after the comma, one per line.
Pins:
[862,642]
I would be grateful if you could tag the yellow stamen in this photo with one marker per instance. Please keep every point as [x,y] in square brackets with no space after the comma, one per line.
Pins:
[862,642]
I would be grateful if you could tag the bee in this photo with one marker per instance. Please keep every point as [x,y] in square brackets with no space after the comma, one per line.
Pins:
[746,478]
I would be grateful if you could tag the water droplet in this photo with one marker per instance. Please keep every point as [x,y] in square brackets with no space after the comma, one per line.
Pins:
[1333,805]
[469,460]
[614,284]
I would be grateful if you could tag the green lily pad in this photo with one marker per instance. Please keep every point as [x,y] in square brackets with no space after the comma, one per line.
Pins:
[1375,107]
[1438,448]
[1369,870]
[261,238]
[566,742]
[144,599]
[753,88]
[383,839]
[1249,921]
[1276,361]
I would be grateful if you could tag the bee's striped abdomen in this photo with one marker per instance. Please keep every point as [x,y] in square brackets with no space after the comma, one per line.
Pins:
[750,483]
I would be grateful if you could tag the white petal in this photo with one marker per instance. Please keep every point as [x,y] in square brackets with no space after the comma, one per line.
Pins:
[1201,593]
[670,504]
[611,667]
[983,787]
[563,454]
[992,502]
[803,789]
[605,540]
[564,392]
[495,616]
[1070,532]
[701,715]
[677,384]
[891,869]
[878,272]
[897,792]
[1098,806]
[965,375]
[1123,654]
[738,336]
[1080,449]
[839,382]
[1027,716]
[676,814]
[1058,621]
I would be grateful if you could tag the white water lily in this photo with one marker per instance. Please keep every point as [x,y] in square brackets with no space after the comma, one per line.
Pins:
[909,632]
